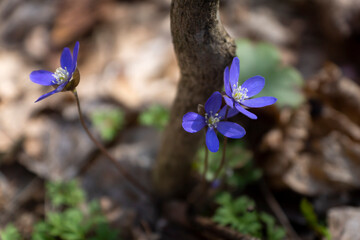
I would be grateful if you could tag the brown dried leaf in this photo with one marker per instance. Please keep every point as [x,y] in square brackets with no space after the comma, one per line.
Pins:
[317,146]
[344,223]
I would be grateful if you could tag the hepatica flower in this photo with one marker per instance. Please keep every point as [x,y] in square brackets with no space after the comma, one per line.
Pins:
[213,120]
[240,96]
[65,78]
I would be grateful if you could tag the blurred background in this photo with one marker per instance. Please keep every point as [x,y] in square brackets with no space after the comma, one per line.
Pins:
[307,147]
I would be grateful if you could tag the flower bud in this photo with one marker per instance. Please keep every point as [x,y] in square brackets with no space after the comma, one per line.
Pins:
[74,81]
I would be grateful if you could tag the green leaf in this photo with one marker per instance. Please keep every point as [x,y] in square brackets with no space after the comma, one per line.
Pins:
[41,232]
[308,212]
[72,222]
[273,232]
[236,213]
[104,232]
[155,116]
[65,193]
[10,233]
[282,82]
[108,122]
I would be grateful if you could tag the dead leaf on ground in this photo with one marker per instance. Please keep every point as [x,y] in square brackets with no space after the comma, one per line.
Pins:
[317,147]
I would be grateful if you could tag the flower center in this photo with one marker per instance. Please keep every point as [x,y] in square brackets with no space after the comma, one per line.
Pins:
[239,93]
[212,120]
[61,75]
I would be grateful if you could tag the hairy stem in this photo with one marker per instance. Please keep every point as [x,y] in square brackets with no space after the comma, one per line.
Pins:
[199,192]
[223,158]
[118,166]
[206,161]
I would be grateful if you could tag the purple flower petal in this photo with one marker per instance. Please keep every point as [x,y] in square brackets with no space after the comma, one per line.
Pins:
[193,122]
[244,111]
[229,101]
[213,104]
[226,81]
[234,72]
[46,95]
[254,85]
[42,77]
[231,112]
[259,102]
[216,183]
[75,55]
[223,111]
[231,130]
[58,89]
[212,142]
[66,60]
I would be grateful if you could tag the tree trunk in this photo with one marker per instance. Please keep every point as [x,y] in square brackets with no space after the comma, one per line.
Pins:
[203,50]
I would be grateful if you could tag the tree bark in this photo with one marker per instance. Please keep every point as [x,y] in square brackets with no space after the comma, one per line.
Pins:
[203,50]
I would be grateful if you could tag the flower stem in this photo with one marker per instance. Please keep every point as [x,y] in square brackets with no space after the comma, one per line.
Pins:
[120,168]
[206,161]
[223,159]
[202,188]
[222,163]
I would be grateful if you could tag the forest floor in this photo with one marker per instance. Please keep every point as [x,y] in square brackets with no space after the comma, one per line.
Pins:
[128,66]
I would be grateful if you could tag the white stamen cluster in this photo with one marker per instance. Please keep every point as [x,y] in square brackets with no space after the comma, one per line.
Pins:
[61,75]
[212,120]
[239,94]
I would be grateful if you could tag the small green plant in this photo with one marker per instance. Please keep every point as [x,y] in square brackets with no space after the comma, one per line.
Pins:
[65,193]
[75,224]
[308,212]
[273,232]
[76,220]
[108,122]
[283,82]
[240,215]
[10,232]
[155,116]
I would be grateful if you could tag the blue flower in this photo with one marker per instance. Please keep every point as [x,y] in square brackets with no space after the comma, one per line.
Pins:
[239,96]
[213,119]
[215,183]
[65,78]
